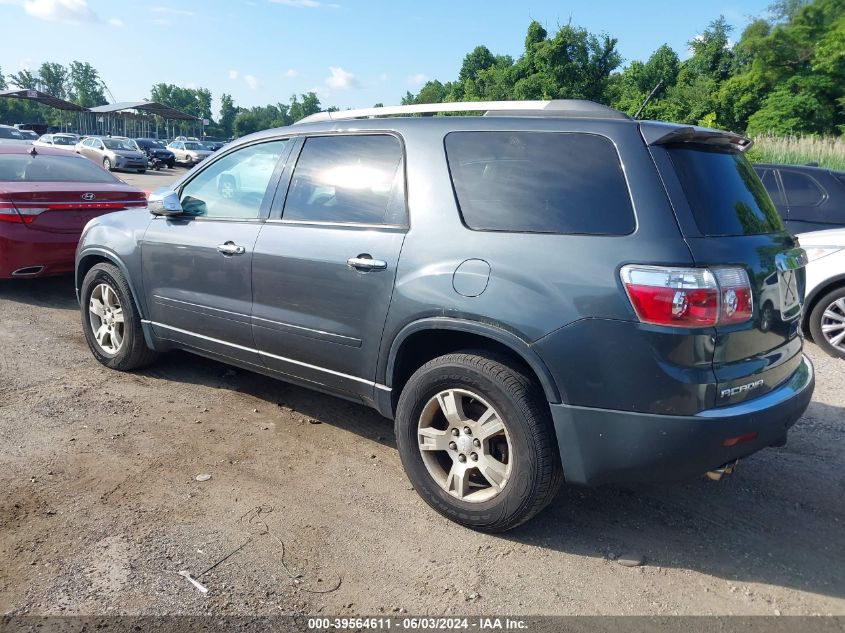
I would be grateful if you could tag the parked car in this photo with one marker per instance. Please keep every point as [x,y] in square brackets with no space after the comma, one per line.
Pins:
[66,142]
[519,293]
[156,151]
[824,317]
[46,197]
[808,198]
[214,145]
[189,152]
[113,153]
[9,134]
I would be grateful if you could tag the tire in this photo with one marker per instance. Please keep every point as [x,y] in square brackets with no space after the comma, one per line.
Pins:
[132,351]
[483,382]
[142,171]
[171,164]
[107,165]
[834,304]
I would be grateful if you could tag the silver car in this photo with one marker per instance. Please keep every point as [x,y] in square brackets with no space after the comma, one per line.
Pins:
[113,153]
[189,152]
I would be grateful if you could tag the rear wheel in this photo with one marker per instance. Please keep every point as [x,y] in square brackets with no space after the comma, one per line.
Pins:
[142,171]
[476,440]
[827,323]
[111,321]
[107,164]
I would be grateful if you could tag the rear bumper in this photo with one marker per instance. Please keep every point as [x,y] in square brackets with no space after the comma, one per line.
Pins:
[22,247]
[607,446]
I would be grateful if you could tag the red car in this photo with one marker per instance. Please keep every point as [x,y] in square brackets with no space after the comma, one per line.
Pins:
[46,198]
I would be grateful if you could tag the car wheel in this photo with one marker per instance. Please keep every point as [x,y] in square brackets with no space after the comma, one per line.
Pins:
[827,323]
[171,164]
[142,171]
[107,164]
[111,321]
[476,440]
[227,187]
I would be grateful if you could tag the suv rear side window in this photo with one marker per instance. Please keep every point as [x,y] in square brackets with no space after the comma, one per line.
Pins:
[348,179]
[724,192]
[801,190]
[539,182]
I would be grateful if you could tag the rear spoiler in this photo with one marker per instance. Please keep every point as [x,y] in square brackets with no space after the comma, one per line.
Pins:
[656,133]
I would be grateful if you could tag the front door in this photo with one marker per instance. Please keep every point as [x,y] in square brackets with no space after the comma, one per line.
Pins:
[197,266]
[324,267]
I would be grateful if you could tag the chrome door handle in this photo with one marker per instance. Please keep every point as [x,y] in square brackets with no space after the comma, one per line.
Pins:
[365,262]
[230,248]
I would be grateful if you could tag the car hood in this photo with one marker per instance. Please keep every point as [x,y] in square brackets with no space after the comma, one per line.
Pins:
[127,153]
[831,237]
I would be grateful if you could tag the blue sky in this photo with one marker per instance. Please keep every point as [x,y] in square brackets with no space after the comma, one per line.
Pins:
[353,53]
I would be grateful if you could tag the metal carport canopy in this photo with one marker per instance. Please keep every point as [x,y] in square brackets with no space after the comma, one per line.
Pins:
[151,107]
[41,97]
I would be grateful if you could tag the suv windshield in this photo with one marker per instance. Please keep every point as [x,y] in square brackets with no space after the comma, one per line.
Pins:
[724,192]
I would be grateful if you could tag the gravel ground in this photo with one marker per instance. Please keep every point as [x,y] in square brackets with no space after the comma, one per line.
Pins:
[308,511]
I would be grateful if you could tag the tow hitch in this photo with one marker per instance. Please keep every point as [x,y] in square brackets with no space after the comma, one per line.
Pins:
[718,473]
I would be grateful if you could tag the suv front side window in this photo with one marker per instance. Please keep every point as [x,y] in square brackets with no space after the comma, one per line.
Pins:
[356,179]
[234,186]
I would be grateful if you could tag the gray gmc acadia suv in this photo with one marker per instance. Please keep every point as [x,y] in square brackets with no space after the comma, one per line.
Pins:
[549,292]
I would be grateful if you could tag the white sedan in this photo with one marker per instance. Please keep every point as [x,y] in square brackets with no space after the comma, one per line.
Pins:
[825,296]
[58,141]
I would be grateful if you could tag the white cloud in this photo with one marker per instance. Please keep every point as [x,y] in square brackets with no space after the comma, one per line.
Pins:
[341,79]
[251,81]
[233,74]
[292,72]
[417,80]
[170,11]
[116,22]
[306,4]
[60,10]
[25,64]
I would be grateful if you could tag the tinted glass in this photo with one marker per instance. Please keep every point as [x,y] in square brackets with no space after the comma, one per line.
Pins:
[539,182]
[357,179]
[43,168]
[8,132]
[801,190]
[724,192]
[64,140]
[234,186]
[771,184]
[111,143]
[194,146]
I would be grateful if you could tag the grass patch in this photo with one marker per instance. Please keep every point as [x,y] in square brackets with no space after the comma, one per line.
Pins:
[827,151]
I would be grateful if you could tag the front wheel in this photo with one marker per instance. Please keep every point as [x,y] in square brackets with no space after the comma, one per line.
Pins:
[107,164]
[827,323]
[476,440]
[111,321]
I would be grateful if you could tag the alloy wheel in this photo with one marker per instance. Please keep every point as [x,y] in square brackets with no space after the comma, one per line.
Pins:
[833,324]
[465,446]
[106,316]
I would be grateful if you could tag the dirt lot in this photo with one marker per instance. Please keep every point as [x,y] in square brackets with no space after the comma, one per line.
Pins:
[309,511]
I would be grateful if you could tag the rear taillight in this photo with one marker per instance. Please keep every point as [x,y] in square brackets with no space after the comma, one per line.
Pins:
[688,297]
[10,213]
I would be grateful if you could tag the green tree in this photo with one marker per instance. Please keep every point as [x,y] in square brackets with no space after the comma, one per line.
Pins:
[85,86]
[24,79]
[54,79]
[228,112]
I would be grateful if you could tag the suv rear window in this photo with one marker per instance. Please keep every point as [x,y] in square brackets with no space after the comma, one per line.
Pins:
[724,192]
[539,182]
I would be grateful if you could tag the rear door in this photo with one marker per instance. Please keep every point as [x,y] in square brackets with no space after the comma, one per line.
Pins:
[324,268]
[816,200]
[197,267]
[728,219]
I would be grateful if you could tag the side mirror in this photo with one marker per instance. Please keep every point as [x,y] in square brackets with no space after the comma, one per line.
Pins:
[164,202]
